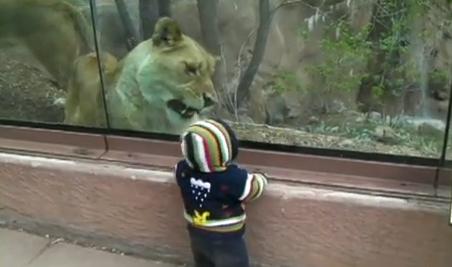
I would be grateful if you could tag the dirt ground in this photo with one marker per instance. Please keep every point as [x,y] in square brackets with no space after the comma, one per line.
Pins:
[276,135]
[27,93]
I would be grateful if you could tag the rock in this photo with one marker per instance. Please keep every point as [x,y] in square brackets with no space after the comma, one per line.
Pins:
[386,134]
[245,119]
[442,106]
[441,95]
[60,102]
[337,106]
[375,116]
[313,120]
[430,129]
[388,119]
[276,109]
[360,119]
[293,104]
[346,143]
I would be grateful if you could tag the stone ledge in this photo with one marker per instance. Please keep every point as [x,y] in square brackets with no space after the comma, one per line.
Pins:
[138,211]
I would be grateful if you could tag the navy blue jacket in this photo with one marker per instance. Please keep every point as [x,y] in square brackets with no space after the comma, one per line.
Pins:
[214,201]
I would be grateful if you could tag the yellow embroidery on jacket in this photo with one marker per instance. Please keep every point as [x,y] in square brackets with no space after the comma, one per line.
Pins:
[201,219]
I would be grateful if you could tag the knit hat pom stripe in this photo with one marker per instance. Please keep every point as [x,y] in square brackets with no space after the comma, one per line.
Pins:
[212,141]
[200,156]
[221,135]
[225,133]
[189,150]
[208,157]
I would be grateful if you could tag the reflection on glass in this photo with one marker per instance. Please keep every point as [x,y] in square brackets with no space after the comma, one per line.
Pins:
[41,42]
[371,76]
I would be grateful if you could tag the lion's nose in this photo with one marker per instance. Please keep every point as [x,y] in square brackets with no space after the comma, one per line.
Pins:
[209,100]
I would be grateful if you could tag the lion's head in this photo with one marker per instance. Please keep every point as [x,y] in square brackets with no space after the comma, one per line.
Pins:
[174,76]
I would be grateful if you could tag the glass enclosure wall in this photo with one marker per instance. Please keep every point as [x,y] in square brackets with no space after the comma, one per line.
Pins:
[357,75]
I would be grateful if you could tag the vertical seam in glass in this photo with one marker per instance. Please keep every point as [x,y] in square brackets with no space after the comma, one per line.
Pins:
[446,133]
[92,4]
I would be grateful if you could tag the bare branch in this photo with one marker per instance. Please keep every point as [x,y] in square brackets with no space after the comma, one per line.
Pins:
[290,3]
[148,16]
[150,12]
[208,16]
[265,19]
[132,35]
[164,8]
[307,3]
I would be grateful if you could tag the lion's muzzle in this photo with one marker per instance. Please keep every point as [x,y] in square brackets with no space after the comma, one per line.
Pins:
[186,111]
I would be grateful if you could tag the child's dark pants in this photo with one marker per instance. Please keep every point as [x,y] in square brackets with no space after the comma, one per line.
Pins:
[218,250]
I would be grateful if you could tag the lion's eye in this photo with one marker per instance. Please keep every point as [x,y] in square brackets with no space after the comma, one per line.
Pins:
[191,70]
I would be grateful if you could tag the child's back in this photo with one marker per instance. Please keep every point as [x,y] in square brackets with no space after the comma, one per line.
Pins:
[214,191]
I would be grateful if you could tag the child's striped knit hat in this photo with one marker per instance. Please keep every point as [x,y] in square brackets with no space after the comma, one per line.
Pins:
[209,145]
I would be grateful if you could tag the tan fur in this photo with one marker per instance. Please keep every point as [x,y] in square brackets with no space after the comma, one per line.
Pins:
[168,67]
[84,103]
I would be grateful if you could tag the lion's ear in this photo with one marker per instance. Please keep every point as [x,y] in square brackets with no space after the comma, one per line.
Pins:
[166,32]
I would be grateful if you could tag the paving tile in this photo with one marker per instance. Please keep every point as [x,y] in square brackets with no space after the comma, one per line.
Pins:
[17,248]
[66,255]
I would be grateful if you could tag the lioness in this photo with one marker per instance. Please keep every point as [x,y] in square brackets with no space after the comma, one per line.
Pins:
[55,31]
[162,85]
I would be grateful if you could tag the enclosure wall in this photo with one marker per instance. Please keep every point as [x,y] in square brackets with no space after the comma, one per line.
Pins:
[137,211]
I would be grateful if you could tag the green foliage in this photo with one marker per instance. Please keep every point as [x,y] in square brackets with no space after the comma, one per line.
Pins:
[345,53]
[304,31]
[284,81]
[439,76]
[378,91]
[384,44]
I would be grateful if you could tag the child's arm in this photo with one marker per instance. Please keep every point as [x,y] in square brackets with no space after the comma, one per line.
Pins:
[254,186]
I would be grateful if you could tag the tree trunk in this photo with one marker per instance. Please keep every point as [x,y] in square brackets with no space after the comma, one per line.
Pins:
[265,19]
[131,34]
[208,16]
[149,14]
[365,97]
[164,8]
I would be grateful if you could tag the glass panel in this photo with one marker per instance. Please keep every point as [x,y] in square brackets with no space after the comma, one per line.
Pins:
[44,49]
[357,75]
